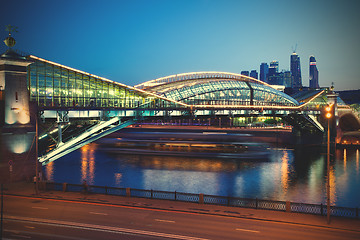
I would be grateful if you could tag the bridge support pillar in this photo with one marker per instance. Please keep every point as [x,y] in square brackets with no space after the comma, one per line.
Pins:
[334,121]
[17,126]
[59,133]
[298,136]
[62,118]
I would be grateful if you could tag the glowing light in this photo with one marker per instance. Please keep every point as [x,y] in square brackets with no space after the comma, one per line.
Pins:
[88,163]
[308,102]
[345,160]
[53,131]
[357,161]
[285,172]
[19,143]
[328,111]
[118,177]
[199,75]
[49,171]
[333,185]
[107,80]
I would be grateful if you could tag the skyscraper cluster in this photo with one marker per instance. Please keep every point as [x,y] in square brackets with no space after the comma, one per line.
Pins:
[270,73]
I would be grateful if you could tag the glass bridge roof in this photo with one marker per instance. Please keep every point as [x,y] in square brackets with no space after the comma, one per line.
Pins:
[213,88]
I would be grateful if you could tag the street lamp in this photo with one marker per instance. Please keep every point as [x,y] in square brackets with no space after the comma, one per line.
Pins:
[36,156]
[328,115]
[36,151]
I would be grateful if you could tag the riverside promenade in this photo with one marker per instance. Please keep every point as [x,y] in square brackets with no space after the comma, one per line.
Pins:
[27,189]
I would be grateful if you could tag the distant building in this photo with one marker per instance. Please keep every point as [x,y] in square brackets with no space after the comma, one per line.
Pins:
[254,74]
[272,71]
[313,74]
[286,76]
[273,75]
[264,71]
[245,73]
[272,78]
[282,78]
[295,71]
[275,64]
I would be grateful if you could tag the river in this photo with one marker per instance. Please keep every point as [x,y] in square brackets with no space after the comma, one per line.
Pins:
[288,174]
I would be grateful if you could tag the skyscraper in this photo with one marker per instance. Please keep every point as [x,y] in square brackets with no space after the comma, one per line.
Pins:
[275,64]
[264,71]
[313,73]
[254,74]
[295,71]
[286,75]
[273,73]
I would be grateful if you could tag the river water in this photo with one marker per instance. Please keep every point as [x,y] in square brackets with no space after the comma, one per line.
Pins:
[289,174]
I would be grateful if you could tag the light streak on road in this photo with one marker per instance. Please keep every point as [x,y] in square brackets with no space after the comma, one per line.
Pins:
[95,227]
[97,213]
[167,221]
[247,230]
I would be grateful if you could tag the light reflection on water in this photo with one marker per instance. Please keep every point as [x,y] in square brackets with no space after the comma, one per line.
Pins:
[357,161]
[88,164]
[294,175]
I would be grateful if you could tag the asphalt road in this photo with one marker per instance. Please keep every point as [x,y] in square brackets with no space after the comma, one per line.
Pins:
[30,218]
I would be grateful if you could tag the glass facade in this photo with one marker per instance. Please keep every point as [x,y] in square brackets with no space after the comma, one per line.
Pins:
[265,95]
[54,85]
[230,91]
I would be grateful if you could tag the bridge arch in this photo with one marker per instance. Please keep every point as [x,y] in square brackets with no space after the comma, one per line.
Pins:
[217,88]
[349,122]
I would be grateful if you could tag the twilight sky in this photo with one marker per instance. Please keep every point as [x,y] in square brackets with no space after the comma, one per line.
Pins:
[132,41]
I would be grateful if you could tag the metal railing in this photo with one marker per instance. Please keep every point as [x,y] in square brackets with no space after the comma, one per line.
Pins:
[285,206]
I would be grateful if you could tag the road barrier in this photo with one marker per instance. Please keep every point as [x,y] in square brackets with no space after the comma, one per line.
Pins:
[285,206]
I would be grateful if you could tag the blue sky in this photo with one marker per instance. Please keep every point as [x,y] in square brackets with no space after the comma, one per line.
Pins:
[132,41]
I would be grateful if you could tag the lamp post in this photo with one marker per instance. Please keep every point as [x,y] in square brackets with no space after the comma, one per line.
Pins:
[328,115]
[36,153]
[36,156]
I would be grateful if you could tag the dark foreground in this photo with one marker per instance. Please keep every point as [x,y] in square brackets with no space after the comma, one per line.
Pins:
[69,215]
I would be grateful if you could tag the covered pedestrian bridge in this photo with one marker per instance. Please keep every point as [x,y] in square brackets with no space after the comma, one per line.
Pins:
[76,108]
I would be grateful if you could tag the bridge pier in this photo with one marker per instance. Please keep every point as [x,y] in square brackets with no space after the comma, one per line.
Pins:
[297,136]
[17,134]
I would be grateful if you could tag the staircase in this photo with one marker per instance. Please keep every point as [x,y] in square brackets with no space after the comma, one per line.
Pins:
[101,129]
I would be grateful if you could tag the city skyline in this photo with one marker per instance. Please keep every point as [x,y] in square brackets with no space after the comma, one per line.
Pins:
[136,41]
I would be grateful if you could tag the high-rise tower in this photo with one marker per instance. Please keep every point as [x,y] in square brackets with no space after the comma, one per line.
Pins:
[313,73]
[254,74]
[264,71]
[275,64]
[295,71]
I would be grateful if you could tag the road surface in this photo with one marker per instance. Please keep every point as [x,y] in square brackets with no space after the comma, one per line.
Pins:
[35,218]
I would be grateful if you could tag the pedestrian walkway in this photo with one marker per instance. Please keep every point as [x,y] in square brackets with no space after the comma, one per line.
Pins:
[28,189]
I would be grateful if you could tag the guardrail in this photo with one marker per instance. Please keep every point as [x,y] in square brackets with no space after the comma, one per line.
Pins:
[285,206]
